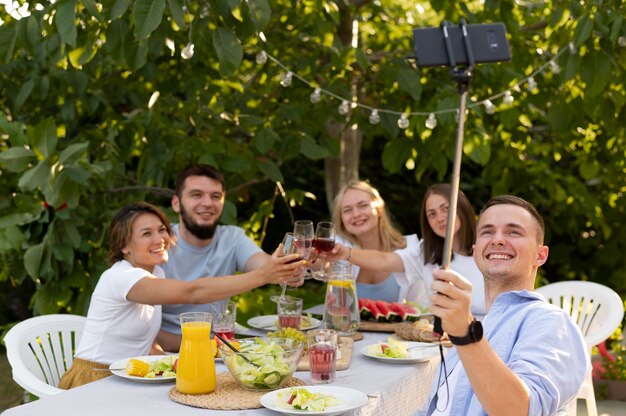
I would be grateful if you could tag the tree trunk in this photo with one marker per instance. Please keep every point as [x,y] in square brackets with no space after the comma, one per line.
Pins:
[340,170]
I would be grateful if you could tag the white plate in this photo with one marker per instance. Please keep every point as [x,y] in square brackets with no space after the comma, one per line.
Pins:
[268,322]
[422,352]
[349,398]
[148,358]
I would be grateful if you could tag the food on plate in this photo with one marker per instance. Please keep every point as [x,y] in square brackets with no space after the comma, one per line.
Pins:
[292,333]
[381,311]
[389,349]
[165,367]
[421,330]
[137,368]
[216,351]
[302,399]
[263,363]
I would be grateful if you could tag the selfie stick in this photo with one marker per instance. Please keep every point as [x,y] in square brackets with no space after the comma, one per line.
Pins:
[462,77]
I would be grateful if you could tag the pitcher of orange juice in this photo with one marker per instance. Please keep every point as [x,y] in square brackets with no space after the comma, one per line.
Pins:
[196,367]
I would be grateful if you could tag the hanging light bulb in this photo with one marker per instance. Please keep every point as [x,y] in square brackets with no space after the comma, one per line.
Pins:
[403,122]
[344,108]
[187,52]
[261,58]
[508,98]
[489,107]
[572,48]
[316,96]
[374,117]
[532,84]
[431,121]
[554,67]
[286,81]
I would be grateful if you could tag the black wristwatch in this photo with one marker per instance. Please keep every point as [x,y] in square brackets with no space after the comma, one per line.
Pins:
[474,334]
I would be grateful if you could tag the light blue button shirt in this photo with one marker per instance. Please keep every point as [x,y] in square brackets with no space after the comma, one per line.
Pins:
[539,342]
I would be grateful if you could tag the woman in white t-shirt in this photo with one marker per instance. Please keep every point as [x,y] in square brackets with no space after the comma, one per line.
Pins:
[421,257]
[124,314]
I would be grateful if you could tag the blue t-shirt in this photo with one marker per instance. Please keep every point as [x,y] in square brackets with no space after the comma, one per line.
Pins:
[387,290]
[227,254]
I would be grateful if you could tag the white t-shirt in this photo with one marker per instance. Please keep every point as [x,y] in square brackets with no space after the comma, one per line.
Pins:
[414,269]
[117,328]
[411,289]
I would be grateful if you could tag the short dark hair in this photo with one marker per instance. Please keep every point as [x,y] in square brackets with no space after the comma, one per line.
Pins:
[121,227]
[433,244]
[520,202]
[197,170]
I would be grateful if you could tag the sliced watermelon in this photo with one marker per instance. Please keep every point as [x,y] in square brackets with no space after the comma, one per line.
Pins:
[376,314]
[364,311]
[406,312]
[388,313]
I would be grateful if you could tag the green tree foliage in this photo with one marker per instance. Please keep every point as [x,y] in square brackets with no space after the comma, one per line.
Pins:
[98,108]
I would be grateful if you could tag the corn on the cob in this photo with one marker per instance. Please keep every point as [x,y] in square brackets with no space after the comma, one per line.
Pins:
[137,368]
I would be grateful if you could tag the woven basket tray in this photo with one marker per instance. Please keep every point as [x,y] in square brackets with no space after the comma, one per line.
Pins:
[227,396]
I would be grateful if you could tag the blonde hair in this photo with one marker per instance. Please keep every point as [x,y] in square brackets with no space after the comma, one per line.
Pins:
[389,236]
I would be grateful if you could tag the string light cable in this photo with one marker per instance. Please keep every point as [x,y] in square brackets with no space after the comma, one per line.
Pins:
[403,117]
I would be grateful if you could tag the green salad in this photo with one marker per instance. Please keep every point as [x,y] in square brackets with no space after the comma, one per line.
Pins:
[273,366]
[389,349]
[162,367]
[302,399]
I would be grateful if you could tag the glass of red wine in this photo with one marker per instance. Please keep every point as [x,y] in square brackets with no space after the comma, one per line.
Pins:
[324,242]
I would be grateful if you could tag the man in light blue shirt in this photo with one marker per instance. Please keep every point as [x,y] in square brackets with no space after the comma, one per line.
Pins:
[205,248]
[532,359]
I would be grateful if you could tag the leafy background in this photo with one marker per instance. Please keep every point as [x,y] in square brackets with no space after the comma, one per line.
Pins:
[98,109]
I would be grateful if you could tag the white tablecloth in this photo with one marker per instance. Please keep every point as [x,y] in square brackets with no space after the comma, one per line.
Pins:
[393,389]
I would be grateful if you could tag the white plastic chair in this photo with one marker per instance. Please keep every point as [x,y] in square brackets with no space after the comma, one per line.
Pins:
[41,349]
[597,310]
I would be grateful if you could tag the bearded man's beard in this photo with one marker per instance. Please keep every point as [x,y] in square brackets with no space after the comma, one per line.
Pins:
[203,232]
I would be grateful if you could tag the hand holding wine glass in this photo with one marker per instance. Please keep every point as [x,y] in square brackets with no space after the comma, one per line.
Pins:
[292,244]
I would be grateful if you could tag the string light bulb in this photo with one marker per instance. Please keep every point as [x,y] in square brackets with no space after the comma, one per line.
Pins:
[572,48]
[261,58]
[316,96]
[489,107]
[286,80]
[431,121]
[187,52]
[508,98]
[344,108]
[403,122]
[532,84]
[554,67]
[374,117]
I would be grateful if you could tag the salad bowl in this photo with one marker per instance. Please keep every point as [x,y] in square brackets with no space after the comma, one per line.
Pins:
[263,363]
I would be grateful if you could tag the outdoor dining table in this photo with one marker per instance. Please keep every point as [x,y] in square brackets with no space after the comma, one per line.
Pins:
[392,389]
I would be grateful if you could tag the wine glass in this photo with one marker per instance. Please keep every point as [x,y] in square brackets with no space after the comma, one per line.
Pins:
[292,244]
[324,241]
[304,228]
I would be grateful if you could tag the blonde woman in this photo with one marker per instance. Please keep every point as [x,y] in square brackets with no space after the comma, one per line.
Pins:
[362,221]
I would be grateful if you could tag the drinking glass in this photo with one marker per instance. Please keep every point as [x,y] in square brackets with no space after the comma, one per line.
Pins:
[289,311]
[305,229]
[292,244]
[322,349]
[324,242]
[224,319]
